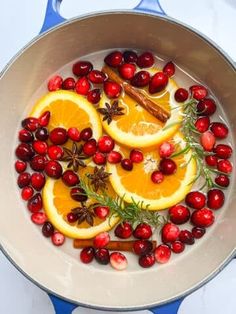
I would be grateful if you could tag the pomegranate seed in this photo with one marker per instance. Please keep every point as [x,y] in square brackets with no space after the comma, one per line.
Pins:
[145,60]
[224,166]
[90,147]
[207,140]
[130,56]
[53,169]
[35,203]
[40,147]
[86,134]
[24,152]
[112,89]
[147,260]
[38,163]
[215,199]
[102,212]
[181,95]
[141,247]
[220,130]
[179,214]
[26,193]
[143,231]
[102,256]
[70,178]
[185,236]
[105,144]
[169,69]
[71,217]
[78,194]
[23,179]
[166,149]
[157,177]
[141,79]
[118,261]
[30,124]
[25,136]
[101,240]
[223,151]
[58,238]
[202,124]
[82,86]
[167,166]
[162,253]
[55,83]
[97,77]
[42,134]
[68,83]
[44,118]
[47,229]
[202,218]
[206,107]
[114,157]
[158,83]
[169,232]
[177,247]
[126,164]
[37,181]
[127,71]
[99,158]
[136,156]
[222,180]
[195,199]
[198,232]
[20,166]
[39,218]
[74,134]
[58,136]
[55,152]
[87,255]
[114,59]
[94,96]
[123,230]
[211,160]
[198,92]
[82,68]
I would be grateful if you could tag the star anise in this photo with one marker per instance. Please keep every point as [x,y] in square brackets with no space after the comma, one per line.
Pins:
[84,213]
[110,111]
[99,178]
[74,157]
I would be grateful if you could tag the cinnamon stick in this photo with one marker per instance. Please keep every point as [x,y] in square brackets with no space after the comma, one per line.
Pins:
[153,108]
[126,246]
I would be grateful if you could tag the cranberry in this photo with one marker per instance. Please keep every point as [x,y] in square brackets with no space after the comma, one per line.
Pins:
[58,136]
[112,89]
[38,163]
[195,199]
[145,60]
[206,107]
[207,140]
[53,169]
[169,232]
[101,240]
[82,68]
[78,194]
[169,69]
[130,56]
[224,166]
[114,59]
[23,179]
[136,156]
[198,232]
[55,152]
[118,261]
[185,236]
[24,152]
[94,96]
[68,83]
[114,157]
[179,214]
[20,166]
[70,178]
[87,255]
[102,256]
[202,124]
[40,147]
[223,151]
[162,253]
[35,203]
[220,130]
[55,83]
[123,230]
[102,212]
[30,124]
[39,218]
[25,136]
[74,134]
[71,217]
[97,77]
[37,180]
[127,71]
[44,118]
[58,238]
[198,92]
[181,95]
[211,160]
[82,86]
[222,180]
[177,247]
[47,229]
[86,134]
[27,192]
[42,134]
[141,247]
[202,218]
[157,177]
[167,166]
[166,149]
[90,147]
[105,144]
[158,83]
[141,79]
[126,164]
[215,199]
[143,231]
[99,158]
[147,260]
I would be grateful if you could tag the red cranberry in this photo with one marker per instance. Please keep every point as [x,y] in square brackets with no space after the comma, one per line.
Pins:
[44,118]
[211,160]
[38,163]
[130,56]
[37,180]
[127,71]
[169,69]
[70,178]
[166,149]
[224,166]
[38,218]
[55,152]
[101,240]
[126,164]
[169,232]
[198,92]
[112,89]
[114,157]
[123,230]
[42,134]
[90,147]
[25,136]
[143,231]
[47,229]
[141,247]
[55,83]
[82,86]
[157,177]
[220,130]
[202,124]
[158,83]
[86,134]
[97,77]
[30,124]
[198,232]
[78,194]
[145,60]
[71,217]
[40,147]
[179,214]
[35,203]
[23,179]
[177,247]
[136,156]
[99,158]
[24,152]
[114,59]
[82,68]
[58,238]
[167,166]
[20,166]
[94,96]
[181,95]
[87,255]
[202,218]
[195,199]
[206,107]
[58,136]
[222,180]
[147,260]
[102,256]
[102,212]
[185,236]
[105,144]
[223,151]
[162,253]
[215,199]
[53,169]
[118,261]
[207,141]
[68,83]
[74,134]
[141,79]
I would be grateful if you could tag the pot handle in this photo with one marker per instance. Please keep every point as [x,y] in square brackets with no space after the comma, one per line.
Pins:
[150,6]
[61,306]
